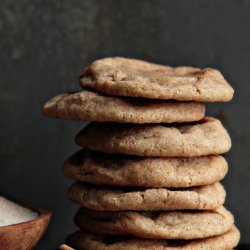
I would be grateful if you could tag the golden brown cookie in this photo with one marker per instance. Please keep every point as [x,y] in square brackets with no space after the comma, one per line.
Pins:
[90,106]
[87,241]
[65,247]
[130,77]
[124,170]
[207,197]
[157,225]
[206,137]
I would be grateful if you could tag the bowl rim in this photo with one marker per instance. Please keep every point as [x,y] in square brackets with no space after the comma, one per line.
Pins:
[42,214]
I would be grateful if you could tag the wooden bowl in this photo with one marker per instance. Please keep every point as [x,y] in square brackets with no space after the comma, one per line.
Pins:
[25,235]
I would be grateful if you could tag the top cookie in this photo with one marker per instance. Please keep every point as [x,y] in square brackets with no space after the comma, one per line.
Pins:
[130,77]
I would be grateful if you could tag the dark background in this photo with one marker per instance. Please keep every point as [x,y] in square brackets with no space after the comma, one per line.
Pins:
[44,45]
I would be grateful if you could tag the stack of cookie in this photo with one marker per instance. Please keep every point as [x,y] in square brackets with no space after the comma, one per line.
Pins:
[149,169]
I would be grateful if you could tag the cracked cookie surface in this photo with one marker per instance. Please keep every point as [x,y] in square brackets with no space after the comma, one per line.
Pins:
[90,106]
[87,241]
[206,137]
[124,170]
[157,225]
[207,197]
[136,78]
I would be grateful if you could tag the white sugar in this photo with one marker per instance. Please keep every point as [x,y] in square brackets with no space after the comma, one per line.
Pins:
[12,213]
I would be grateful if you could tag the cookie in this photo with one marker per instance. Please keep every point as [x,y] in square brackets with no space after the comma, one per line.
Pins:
[65,247]
[157,225]
[155,199]
[90,106]
[206,137]
[130,77]
[87,241]
[123,170]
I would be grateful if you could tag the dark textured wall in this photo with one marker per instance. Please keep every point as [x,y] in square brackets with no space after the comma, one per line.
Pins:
[45,44]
